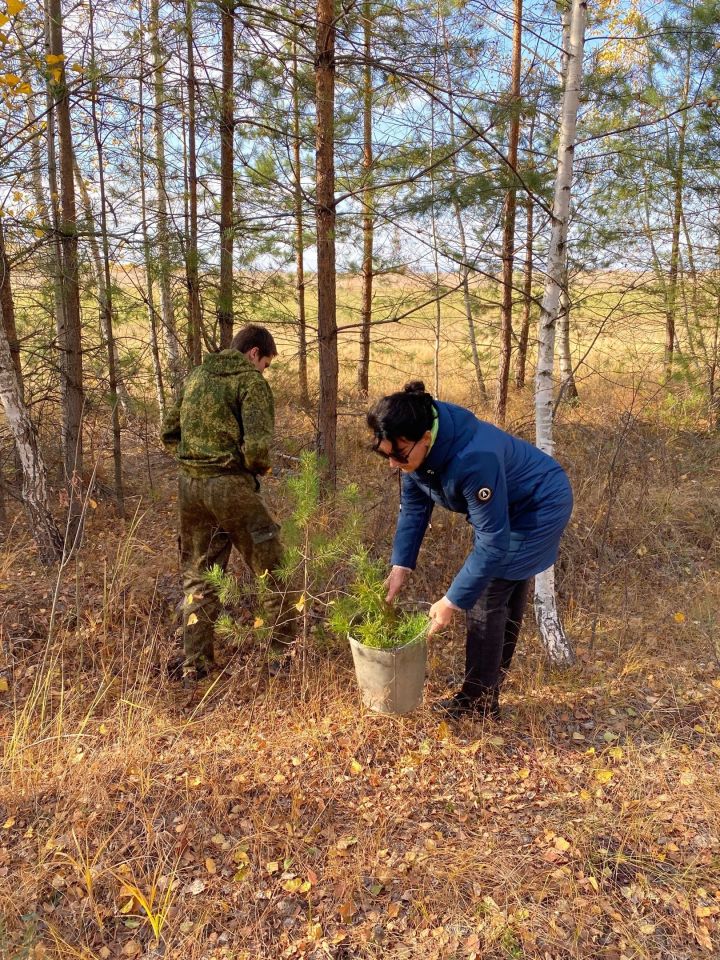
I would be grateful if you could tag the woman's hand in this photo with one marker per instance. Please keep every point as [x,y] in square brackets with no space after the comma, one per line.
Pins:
[440,613]
[395,582]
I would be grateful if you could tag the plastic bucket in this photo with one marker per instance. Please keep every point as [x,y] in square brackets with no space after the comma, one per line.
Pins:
[390,681]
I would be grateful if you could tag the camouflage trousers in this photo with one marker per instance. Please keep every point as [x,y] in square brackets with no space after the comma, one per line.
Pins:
[217,514]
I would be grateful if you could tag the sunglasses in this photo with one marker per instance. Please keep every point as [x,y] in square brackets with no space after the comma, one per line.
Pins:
[394,453]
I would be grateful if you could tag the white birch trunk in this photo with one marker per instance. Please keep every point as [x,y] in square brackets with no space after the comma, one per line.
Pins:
[34,489]
[553,636]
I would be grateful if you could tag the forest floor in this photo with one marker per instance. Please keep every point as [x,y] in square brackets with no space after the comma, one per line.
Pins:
[257,819]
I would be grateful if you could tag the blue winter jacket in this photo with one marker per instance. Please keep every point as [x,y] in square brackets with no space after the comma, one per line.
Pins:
[517,498]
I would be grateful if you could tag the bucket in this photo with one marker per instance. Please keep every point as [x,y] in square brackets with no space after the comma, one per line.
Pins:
[390,681]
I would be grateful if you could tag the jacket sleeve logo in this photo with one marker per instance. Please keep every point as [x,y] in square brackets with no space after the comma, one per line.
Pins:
[484,494]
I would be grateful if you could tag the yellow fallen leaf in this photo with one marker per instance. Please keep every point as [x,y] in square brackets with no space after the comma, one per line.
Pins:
[355,767]
[315,931]
[594,884]
[10,822]
[523,774]
[647,928]
[616,753]
[687,778]
[210,865]
[4,686]
[272,866]
[4,19]
[679,617]
[603,776]
[561,844]
[192,619]
[128,906]
[258,622]
[300,605]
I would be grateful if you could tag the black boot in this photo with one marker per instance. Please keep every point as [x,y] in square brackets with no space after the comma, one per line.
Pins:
[461,704]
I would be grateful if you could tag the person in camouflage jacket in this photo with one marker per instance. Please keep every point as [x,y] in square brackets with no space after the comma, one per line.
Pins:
[219,431]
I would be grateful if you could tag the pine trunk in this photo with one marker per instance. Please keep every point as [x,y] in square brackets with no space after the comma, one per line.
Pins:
[556,643]
[363,370]
[227,128]
[508,253]
[191,258]
[164,268]
[299,238]
[325,216]
[107,320]
[70,343]
[147,251]
[464,270]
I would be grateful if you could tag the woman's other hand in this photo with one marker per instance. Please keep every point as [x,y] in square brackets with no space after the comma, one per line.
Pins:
[440,613]
[395,582]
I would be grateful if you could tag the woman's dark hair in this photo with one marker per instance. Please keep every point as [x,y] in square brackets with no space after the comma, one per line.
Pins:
[254,336]
[408,413]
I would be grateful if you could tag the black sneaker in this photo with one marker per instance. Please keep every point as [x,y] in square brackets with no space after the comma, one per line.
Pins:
[463,705]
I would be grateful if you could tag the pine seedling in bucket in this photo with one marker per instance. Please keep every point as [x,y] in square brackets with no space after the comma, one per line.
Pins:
[388,645]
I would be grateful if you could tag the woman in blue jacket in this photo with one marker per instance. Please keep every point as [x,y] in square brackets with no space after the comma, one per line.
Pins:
[518,501]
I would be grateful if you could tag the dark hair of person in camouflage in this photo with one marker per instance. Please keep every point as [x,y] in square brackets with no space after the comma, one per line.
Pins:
[252,336]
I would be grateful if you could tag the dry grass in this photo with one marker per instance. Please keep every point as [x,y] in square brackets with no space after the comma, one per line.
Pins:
[270,820]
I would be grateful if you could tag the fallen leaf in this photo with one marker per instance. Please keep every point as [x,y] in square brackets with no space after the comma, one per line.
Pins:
[687,778]
[192,619]
[272,866]
[347,911]
[132,948]
[10,822]
[355,767]
[196,887]
[4,686]
[603,776]
[258,622]
[561,844]
[210,865]
[679,617]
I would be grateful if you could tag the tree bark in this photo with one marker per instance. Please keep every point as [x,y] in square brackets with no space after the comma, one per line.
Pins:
[509,225]
[100,280]
[679,183]
[191,257]
[325,217]
[34,492]
[227,130]
[363,370]
[299,238]
[164,268]
[568,387]
[107,321]
[7,305]
[147,253]
[464,270]
[70,344]
[556,643]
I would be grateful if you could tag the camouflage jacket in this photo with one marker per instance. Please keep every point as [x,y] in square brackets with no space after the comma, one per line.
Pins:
[224,419]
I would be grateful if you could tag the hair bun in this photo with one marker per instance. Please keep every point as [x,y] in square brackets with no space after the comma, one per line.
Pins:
[415,386]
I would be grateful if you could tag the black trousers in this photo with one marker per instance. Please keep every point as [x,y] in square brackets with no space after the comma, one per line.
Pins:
[493,627]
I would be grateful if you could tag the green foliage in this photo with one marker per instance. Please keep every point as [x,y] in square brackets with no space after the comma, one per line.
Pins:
[363,613]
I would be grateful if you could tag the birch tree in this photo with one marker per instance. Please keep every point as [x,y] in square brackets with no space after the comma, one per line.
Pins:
[34,487]
[556,643]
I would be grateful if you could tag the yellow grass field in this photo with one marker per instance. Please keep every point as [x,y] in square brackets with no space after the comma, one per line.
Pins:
[259,820]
